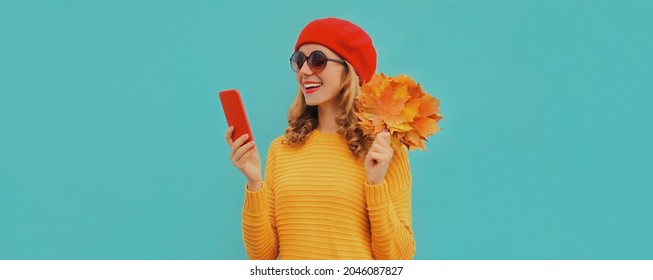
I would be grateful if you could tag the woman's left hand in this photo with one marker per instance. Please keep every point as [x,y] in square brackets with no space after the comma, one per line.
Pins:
[378,158]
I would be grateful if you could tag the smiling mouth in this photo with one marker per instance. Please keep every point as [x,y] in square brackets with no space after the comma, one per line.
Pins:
[312,85]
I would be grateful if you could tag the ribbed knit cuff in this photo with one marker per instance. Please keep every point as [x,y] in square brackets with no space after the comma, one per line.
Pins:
[377,195]
[255,201]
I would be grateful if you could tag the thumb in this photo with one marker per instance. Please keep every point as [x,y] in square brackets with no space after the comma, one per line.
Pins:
[385,136]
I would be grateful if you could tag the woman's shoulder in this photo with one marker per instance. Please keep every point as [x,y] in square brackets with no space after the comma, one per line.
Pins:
[277,143]
[400,155]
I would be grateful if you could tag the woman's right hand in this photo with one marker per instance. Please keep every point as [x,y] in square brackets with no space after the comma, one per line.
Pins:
[246,159]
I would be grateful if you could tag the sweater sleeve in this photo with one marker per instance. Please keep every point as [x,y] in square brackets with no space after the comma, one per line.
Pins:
[389,209]
[258,219]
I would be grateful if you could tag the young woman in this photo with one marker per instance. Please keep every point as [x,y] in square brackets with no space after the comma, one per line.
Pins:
[329,192]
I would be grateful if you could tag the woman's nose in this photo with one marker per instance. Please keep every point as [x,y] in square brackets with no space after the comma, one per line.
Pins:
[305,70]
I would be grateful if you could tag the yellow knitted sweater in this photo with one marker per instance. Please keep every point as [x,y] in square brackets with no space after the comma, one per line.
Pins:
[316,204]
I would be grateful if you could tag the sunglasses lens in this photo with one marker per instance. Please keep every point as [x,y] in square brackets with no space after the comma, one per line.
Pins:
[317,61]
[297,61]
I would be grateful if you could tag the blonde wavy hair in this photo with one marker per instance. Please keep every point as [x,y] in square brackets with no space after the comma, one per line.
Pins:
[302,119]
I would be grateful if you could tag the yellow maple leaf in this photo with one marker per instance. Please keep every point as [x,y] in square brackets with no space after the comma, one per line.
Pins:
[400,105]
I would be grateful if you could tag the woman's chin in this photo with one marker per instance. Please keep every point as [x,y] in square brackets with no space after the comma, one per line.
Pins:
[310,100]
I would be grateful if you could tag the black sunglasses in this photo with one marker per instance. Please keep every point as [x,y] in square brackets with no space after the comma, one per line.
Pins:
[317,60]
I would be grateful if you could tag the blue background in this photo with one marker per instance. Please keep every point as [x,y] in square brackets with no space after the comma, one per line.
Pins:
[111,143]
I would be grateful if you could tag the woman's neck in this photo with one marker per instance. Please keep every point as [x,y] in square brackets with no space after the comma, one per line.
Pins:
[326,116]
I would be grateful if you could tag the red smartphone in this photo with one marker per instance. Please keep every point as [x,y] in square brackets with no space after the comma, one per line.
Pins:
[234,112]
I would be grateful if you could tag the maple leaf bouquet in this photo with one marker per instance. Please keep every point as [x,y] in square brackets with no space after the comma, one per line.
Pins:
[398,105]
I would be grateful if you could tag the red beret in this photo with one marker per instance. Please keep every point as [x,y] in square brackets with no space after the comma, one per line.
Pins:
[344,38]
